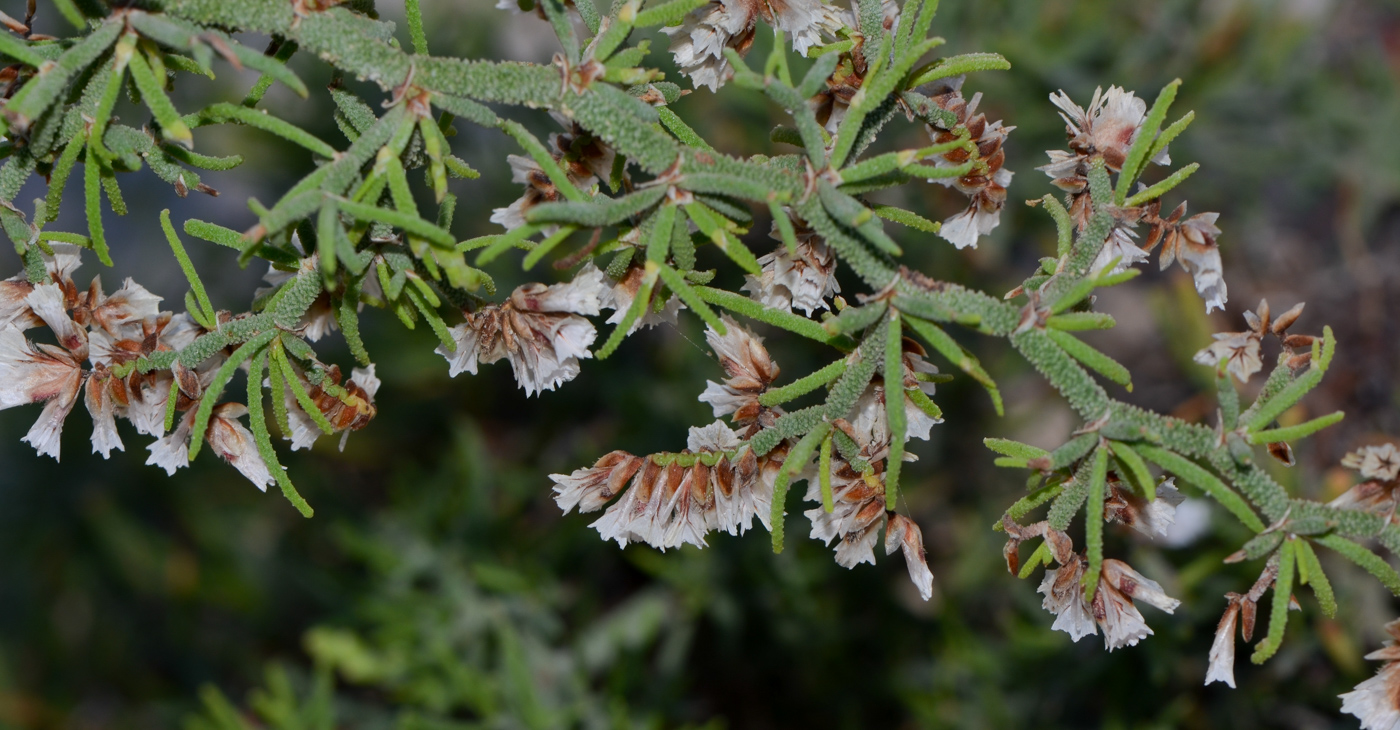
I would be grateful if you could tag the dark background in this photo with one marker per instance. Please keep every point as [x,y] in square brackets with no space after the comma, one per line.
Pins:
[439,586]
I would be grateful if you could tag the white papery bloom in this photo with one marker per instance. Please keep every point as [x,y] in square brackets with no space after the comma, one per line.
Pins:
[591,488]
[1375,462]
[981,216]
[1222,649]
[804,279]
[901,533]
[620,295]
[698,43]
[1120,246]
[1109,126]
[32,373]
[234,444]
[1112,608]
[1064,597]
[171,452]
[750,369]
[1240,350]
[538,329]
[1377,700]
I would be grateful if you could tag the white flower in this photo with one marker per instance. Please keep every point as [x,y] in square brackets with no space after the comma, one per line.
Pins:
[1375,462]
[1108,127]
[225,435]
[982,214]
[804,280]
[171,452]
[49,304]
[33,373]
[619,297]
[130,305]
[698,43]
[1192,242]
[538,330]
[671,504]
[234,444]
[589,489]
[1377,700]
[1112,608]
[713,438]
[858,503]
[103,409]
[1120,246]
[1153,519]
[901,533]
[1240,350]
[1222,649]
[744,358]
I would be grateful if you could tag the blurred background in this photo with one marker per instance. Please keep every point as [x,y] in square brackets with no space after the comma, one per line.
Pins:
[439,587]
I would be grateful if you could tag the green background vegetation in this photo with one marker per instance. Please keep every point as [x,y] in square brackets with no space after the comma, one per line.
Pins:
[438,586]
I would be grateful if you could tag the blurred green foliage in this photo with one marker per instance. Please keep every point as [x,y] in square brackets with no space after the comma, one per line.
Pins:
[438,587]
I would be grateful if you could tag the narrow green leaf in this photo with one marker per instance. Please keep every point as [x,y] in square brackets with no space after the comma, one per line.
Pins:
[1294,391]
[225,113]
[1293,433]
[956,66]
[906,218]
[796,460]
[172,127]
[92,191]
[59,177]
[1093,522]
[894,407]
[803,385]
[1135,468]
[1372,563]
[415,27]
[216,386]
[954,353]
[1091,358]
[257,421]
[303,398]
[824,474]
[1161,188]
[1007,447]
[187,266]
[1078,321]
[1146,137]
[1278,611]
[1310,571]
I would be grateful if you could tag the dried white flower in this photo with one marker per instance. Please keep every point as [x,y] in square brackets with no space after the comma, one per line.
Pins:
[1153,519]
[802,280]
[1240,350]
[1192,242]
[234,444]
[589,489]
[1375,462]
[1112,608]
[1377,700]
[538,330]
[1108,127]
[1222,649]
[698,43]
[32,373]
[744,358]
[901,533]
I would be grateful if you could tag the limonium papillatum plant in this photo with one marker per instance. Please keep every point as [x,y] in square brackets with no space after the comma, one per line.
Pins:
[616,204]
